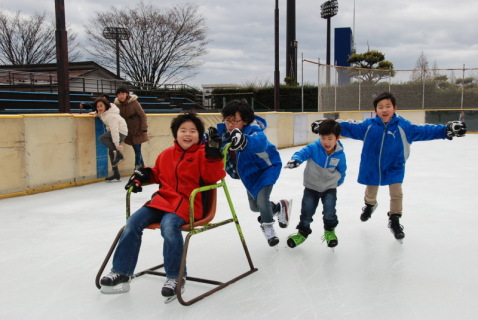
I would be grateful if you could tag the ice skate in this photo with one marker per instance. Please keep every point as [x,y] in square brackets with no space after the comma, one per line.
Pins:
[169,289]
[115,283]
[331,239]
[115,177]
[296,239]
[367,211]
[284,213]
[395,227]
[270,233]
[117,156]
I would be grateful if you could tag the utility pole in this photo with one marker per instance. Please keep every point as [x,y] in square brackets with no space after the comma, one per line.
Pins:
[62,58]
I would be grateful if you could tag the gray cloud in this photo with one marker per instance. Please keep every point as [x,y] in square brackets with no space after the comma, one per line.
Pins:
[242,46]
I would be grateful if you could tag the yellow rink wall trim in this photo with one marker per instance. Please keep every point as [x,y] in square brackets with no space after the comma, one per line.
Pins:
[52,188]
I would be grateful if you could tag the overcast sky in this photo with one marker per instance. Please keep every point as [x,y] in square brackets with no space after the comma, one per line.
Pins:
[242,33]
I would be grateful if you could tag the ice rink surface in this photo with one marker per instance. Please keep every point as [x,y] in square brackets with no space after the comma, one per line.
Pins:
[53,243]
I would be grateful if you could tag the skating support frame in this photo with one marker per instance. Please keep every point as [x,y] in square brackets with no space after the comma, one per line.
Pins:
[192,228]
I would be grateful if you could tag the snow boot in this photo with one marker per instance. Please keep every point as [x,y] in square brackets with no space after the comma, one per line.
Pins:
[110,283]
[284,213]
[395,226]
[330,237]
[115,177]
[169,289]
[269,233]
[296,239]
[367,211]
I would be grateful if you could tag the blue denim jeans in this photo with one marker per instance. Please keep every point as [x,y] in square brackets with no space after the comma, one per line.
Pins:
[310,201]
[127,251]
[138,157]
[262,204]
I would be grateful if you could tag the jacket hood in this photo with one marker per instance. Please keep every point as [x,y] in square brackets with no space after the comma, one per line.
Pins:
[131,98]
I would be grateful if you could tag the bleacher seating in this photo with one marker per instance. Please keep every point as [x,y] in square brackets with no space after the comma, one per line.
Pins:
[15,102]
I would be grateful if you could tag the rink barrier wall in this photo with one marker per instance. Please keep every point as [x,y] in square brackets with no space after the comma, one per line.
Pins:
[46,152]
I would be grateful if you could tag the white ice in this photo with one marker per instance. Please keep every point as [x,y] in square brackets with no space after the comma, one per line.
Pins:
[52,245]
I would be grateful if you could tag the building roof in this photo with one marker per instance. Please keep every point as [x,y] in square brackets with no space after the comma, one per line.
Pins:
[76,69]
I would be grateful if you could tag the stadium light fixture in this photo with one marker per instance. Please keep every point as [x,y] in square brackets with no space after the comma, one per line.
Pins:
[118,34]
[328,10]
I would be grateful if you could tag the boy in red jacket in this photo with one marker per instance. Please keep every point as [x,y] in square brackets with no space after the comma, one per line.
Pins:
[178,171]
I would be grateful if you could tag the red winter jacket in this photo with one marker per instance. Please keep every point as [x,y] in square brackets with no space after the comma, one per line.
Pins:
[179,172]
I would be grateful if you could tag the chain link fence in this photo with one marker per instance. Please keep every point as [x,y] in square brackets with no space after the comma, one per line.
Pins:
[352,89]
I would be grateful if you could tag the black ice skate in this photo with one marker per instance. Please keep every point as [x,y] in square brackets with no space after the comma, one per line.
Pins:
[117,157]
[396,227]
[367,211]
[169,289]
[115,283]
[115,177]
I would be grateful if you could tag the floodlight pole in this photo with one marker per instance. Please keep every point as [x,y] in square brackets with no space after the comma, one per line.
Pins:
[276,58]
[118,34]
[291,43]
[329,9]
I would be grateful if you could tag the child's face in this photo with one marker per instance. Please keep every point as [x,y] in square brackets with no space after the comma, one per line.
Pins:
[385,110]
[100,107]
[188,135]
[329,142]
[122,96]
[234,122]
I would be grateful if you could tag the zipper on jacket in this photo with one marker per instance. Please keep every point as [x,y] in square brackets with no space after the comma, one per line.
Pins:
[380,154]
[177,179]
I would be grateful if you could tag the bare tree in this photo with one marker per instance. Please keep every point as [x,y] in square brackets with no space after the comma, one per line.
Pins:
[164,45]
[422,72]
[29,40]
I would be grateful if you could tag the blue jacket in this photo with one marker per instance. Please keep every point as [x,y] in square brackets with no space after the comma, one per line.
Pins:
[259,164]
[322,172]
[386,147]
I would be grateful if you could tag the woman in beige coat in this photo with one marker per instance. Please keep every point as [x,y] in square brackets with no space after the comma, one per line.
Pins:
[116,132]
[133,113]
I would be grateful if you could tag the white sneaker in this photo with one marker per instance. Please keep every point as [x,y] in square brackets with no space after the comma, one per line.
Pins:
[284,213]
[270,233]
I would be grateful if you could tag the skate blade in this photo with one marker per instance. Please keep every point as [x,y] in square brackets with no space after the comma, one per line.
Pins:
[172,298]
[109,181]
[120,288]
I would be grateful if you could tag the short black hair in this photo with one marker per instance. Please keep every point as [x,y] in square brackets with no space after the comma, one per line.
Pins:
[330,126]
[383,96]
[241,106]
[179,120]
[122,89]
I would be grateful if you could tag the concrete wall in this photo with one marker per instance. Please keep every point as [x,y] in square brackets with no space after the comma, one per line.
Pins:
[45,152]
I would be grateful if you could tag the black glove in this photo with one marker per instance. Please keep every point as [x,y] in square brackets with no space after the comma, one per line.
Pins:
[139,177]
[455,129]
[213,144]
[238,140]
[315,126]
[292,164]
